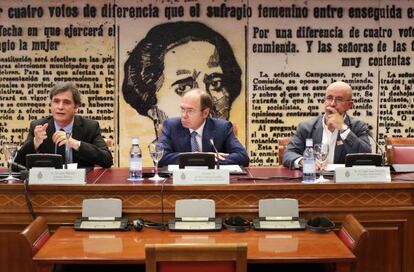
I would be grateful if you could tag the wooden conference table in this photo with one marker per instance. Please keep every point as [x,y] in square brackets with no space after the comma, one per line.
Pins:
[385,209]
[67,246]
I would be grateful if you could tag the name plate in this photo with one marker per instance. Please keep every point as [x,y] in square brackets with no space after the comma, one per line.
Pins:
[56,176]
[362,174]
[200,177]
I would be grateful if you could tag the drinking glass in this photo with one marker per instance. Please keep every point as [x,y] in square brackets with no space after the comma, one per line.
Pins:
[321,152]
[156,151]
[10,152]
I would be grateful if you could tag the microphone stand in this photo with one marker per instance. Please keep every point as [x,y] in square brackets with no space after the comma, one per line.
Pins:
[378,148]
[155,123]
[217,154]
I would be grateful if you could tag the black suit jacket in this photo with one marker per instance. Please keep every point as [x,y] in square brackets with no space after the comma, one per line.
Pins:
[176,139]
[92,151]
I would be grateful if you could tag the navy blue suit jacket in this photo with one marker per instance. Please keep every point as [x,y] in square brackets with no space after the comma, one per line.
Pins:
[176,139]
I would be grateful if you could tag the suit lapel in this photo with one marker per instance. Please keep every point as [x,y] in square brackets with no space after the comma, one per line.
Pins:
[318,131]
[77,128]
[49,144]
[209,132]
[77,135]
[184,138]
[339,156]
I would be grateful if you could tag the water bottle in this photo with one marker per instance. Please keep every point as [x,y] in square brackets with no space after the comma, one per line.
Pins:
[135,161]
[309,165]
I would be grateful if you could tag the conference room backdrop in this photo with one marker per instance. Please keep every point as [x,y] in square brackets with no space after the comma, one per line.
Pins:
[266,64]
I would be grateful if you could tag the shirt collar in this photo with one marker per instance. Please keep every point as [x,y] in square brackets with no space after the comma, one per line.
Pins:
[199,130]
[67,129]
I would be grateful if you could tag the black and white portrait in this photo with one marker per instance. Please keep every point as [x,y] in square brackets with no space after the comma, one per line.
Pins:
[175,57]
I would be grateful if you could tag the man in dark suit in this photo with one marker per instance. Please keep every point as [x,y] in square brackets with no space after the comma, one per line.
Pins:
[341,132]
[49,135]
[193,131]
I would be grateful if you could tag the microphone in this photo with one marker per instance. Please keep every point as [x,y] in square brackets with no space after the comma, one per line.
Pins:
[156,126]
[378,147]
[19,166]
[217,153]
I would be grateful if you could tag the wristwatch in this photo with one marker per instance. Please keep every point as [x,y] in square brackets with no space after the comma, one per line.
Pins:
[344,128]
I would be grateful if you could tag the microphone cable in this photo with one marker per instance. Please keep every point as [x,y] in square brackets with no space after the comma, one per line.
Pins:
[24,175]
[156,225]
[27,196]
[162,204]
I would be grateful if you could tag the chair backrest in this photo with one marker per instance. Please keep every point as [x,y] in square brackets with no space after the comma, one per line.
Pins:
[34,236]
[282,143]
[235,130]
[196,257]
[400,150]
[353,234]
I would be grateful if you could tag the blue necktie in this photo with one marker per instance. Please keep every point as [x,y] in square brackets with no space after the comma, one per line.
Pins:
[194,144]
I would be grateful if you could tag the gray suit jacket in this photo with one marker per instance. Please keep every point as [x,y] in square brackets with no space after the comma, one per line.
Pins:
[92,151]
[357,140]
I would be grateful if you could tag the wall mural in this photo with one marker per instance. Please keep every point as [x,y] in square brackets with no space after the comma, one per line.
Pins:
[265,63]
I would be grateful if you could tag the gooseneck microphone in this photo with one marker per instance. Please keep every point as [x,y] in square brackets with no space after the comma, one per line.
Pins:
[19,166]
[156,128]
[378,148]
[217,153]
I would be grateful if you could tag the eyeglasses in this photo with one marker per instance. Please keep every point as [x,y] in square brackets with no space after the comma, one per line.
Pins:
[337,99]
[190,112]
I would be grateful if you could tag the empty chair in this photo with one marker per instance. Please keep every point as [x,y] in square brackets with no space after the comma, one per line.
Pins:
[282,143]
[195,257]
[400,150]
[354,236]
[33,237]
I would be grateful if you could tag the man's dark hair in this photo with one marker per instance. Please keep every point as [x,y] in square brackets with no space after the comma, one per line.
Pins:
[63,87]
[145,65]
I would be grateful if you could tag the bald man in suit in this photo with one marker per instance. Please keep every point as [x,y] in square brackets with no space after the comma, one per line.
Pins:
[336,128]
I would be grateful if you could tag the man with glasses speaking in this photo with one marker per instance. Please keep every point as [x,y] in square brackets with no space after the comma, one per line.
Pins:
[342,133]
[49,134]
[196,131]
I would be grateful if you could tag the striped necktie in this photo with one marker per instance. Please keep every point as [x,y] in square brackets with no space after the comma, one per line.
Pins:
[194,143]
